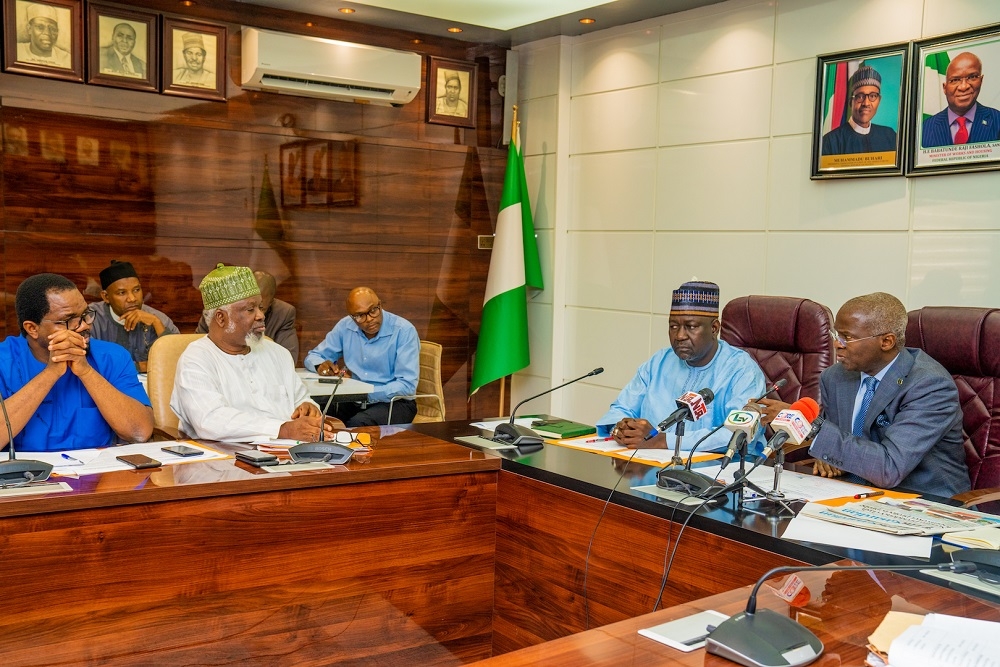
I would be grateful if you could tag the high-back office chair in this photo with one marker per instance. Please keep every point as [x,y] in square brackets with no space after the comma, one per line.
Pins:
[789,338]
[160,368]
[966,341]
[430,391]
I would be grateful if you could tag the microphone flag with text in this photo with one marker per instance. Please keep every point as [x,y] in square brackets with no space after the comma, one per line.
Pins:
[745,426]
[792,424]
[691,406]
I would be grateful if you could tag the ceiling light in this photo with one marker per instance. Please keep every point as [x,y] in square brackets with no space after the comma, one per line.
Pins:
[417,41]
[346,10]
[588,21]
[188,3]
[454,30]
[309,24]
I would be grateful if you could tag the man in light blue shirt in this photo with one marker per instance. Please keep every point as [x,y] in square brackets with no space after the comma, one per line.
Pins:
[696,359]
[376,347]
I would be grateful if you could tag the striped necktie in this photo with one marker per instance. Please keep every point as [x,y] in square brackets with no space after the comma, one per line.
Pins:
[962,135]
[859,421]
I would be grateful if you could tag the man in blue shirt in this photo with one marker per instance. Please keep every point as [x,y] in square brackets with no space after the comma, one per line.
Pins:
[377,347]
[62,389]
[696,359]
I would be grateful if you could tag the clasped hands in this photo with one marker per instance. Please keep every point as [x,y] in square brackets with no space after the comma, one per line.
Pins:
[329,368]
[305,423]
[631,433]
[769,409]
[68,348]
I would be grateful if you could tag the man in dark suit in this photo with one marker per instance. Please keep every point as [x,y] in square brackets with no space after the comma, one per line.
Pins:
[118,57]
[891,415]
[859,134]
[963,121]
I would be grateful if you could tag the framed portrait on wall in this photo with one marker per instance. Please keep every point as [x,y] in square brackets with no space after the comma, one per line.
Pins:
[318,173]
[194,59]
[44,38]
[955,103]
[859,113]
[123,48]
[451,92]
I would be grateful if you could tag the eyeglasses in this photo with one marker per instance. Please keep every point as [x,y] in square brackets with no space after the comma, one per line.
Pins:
[371,312]
[872,97]
[971,78]
[347,437]
[842,341]
[73,323]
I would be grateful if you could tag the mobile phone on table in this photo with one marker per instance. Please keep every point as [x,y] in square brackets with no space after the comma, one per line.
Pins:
[333,380]
[257,458]
[182,450]
[139,461]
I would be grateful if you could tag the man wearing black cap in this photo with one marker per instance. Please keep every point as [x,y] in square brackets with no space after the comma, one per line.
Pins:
[859,134]
[696,359]
[123,319]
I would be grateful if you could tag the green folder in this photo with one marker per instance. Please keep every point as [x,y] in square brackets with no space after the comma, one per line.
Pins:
[561,429]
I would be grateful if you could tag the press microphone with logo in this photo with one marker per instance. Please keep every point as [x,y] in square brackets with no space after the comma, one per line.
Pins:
[792,425]
[744,425]
[16,471]
[692,406]
[767,638]
[522,437]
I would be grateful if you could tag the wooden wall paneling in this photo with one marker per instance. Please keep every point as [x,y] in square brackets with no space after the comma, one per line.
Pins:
[396,571]
[543,533]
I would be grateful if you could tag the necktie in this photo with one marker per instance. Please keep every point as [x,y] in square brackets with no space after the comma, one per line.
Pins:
[127,65]
[859,421]
[962,135]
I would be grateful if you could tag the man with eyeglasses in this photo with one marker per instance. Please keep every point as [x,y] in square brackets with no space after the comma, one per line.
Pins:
[891,415]
[62,389]
[964,120]
[123,318]
[377,347]
[859,134]
[235,384]
[43,33]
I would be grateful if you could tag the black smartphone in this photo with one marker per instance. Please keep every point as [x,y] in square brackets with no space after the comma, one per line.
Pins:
[139,461]
[336,380]
[182,450]
[257,458]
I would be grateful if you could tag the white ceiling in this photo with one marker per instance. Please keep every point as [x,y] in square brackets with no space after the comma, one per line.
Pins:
[503,22]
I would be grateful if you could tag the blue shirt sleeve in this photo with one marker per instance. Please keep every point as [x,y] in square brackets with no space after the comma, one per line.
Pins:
[330,349]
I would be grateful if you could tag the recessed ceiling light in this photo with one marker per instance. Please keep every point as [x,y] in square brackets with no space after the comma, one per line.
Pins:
[417,41]
[309,24]
[188,3]
[454,29]
[588,21]
[346,10]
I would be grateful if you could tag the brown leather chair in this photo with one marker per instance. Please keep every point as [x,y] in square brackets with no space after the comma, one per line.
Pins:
[789,338]
[966,341]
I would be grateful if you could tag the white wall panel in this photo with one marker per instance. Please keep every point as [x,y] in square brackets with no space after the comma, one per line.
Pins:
[738,39]
[622,61]
[616,121]
[621,187]
[609,270]
[716,108]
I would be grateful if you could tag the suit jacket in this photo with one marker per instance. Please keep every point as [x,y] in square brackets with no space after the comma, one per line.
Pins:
[110,62]
[913,428]
[984,127]
[279,326]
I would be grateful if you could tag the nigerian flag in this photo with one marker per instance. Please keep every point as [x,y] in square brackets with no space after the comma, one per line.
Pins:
[514,266]
[935,71]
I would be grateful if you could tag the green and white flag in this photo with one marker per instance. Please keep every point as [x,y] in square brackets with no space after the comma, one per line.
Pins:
[514,267]
[935,72]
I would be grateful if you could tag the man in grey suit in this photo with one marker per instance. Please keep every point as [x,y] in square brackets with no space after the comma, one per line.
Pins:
[891,415]
[118,57]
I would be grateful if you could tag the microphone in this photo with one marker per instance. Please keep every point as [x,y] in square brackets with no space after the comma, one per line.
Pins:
[769,639]
[744,425]
[692,406]
[775,386]
[792,424]
[320,451]
[18,472]
[522,437]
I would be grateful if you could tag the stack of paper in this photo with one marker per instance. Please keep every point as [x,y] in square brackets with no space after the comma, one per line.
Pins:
[935,640]
[908,517]
[987,537]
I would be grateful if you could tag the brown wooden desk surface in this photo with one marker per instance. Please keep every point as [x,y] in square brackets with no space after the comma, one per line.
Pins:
[845,609]
[389,559]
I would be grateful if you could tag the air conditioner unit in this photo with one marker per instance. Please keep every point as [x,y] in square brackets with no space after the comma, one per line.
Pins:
[279,62]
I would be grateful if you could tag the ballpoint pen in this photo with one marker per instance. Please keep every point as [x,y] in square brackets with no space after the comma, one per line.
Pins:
[73,459]
[870,494]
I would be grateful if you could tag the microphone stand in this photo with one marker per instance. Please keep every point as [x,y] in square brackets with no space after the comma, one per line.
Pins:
[774,497]
[676,461]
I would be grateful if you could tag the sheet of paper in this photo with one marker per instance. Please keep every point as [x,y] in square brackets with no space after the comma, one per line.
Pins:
[891,627]
[94,461]
[926,646]
[591,444]
[492,424]
[807,529]
[794,485]
[685,634]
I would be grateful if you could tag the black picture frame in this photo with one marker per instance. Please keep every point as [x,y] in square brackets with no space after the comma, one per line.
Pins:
[205,80]
[109,26]
[442,76]
[843,146]
[931,129]
[29,45]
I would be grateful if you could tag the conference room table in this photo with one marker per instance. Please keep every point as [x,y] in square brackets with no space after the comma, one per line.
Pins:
[421,551]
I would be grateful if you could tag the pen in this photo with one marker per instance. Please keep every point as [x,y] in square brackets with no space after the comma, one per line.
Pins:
[73,459]
[652,434]
[870,494]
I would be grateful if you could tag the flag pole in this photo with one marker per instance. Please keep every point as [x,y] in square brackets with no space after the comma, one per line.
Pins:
[513,137]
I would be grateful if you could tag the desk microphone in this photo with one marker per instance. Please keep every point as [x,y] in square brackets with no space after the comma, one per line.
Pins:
[793,424]
[692,406]
[320,451]
[14,471]
[768,639]
[522,437]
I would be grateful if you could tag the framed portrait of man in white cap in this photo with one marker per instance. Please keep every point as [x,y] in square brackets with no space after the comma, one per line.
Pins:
[194,59]
[44,38]
[860,100]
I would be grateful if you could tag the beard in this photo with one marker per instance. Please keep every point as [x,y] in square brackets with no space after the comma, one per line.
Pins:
[254,340]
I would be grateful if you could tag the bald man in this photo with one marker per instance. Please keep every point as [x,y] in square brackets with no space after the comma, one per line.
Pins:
[377,347]
[964,120]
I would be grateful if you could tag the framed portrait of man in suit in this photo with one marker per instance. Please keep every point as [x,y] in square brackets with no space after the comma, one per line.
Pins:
[955,103]
[860,100]
[44,38]
[123,48]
